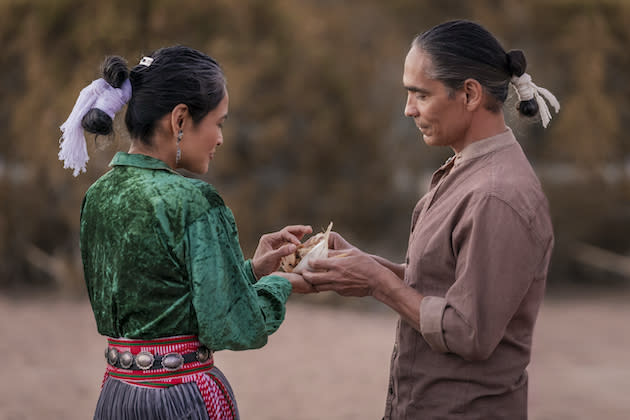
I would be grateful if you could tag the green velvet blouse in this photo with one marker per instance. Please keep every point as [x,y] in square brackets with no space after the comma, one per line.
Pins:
[161,257]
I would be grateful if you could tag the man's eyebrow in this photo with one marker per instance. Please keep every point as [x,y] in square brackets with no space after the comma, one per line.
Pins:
[416,89]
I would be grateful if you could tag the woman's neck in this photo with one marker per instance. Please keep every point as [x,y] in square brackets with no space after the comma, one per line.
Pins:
[154,150]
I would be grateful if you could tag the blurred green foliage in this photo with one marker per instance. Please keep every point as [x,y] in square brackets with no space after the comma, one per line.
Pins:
[316,131]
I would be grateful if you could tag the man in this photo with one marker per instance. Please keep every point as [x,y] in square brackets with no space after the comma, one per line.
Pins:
[481,239]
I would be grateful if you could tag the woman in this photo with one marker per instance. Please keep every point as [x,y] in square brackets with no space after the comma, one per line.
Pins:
[164,269]
[480,240]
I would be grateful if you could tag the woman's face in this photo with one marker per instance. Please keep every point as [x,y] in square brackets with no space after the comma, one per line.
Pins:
[200,141]
[438,112]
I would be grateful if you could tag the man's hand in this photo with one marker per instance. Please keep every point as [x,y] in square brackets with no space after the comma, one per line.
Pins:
[349,272]
[336,242]
[273,246]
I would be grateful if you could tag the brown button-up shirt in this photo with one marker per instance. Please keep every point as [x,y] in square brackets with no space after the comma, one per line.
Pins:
[479,250]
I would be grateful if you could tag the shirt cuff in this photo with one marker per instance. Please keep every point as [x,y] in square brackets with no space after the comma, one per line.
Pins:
[249,271]
[431,313]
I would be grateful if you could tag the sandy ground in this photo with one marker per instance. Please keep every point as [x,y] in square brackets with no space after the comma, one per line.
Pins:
[322,363]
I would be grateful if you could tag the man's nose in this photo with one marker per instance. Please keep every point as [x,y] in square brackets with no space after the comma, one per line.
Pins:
[411,110]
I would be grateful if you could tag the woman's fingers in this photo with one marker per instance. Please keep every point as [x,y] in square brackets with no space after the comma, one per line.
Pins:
[282,251]
[295,233]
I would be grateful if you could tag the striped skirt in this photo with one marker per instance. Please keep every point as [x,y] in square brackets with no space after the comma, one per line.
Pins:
[196,390]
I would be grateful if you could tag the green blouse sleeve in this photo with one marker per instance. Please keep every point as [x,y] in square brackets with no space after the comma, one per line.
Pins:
[233,310]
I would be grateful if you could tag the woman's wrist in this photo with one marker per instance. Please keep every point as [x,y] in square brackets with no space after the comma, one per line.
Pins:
[253,268]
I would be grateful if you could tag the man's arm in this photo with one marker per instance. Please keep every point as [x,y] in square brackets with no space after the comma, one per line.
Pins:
[339,243]
[397,268]
[500,270]
[359,274]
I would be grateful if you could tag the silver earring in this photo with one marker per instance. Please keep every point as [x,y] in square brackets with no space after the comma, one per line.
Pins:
[180,136]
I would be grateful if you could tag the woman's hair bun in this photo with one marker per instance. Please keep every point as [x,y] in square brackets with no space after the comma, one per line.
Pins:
[115,72]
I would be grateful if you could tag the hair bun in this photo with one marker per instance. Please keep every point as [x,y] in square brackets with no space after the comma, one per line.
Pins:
[115,70]
[517,64]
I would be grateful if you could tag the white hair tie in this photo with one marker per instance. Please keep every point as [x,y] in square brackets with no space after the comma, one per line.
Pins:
[98,94]
[526,90]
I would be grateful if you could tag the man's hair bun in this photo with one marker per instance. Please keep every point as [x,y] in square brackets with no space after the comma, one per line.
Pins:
[517,64]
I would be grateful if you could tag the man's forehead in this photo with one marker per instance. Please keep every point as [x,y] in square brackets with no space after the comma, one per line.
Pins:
[416,68]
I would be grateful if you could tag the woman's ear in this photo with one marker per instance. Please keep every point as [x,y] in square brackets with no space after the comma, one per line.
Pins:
[474,94]
[178,117]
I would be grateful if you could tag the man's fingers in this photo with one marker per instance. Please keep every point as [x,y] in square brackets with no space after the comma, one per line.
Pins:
[339,253]
[325,287]
[320,264]
[317,278]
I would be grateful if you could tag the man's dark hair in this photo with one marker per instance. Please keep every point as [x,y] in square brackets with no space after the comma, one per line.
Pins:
[461,50]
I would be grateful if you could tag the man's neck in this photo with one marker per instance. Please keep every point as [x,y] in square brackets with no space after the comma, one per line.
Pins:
[485,124]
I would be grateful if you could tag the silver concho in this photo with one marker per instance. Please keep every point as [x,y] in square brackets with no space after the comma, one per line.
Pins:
[112,356]
[144,360]
[126,360]
[172,361]
[203,354]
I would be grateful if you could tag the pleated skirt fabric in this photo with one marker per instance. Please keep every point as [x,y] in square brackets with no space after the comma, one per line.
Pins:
[122,401]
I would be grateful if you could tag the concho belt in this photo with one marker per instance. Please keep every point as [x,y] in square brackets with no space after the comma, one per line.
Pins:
[147,361]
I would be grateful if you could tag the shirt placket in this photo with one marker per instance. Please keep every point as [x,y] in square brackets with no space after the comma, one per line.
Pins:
[436,181]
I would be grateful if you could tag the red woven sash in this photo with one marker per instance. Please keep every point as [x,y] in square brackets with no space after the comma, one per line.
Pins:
[215,396]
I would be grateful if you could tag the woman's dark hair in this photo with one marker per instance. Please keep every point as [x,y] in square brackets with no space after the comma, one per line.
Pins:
[461,50]
[177,75]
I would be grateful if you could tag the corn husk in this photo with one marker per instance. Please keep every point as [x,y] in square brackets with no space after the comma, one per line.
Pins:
[314,248]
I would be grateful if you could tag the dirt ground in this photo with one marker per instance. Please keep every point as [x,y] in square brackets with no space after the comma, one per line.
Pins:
[324,362]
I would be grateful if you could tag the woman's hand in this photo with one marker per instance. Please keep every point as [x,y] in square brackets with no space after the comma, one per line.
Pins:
[273,246]
[299,284]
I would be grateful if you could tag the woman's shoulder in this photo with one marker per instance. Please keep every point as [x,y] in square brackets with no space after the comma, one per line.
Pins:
[164,190]
[206,192]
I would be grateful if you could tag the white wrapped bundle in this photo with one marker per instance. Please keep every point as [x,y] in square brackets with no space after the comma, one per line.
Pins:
[314,248]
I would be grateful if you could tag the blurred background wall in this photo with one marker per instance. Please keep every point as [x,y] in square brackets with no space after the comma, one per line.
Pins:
[316,129]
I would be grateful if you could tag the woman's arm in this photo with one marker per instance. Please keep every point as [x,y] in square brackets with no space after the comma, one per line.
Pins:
[232,312]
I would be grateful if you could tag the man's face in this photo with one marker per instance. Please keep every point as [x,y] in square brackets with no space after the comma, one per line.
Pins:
[438,112]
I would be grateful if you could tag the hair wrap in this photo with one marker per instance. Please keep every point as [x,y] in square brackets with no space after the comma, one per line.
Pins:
[99,94]
[526,90]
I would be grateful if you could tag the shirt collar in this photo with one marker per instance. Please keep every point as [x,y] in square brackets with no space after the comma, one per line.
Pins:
[485,146]
[139,161]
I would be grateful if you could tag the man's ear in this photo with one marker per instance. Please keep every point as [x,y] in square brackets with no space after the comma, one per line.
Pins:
[474,94]
[178,117]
